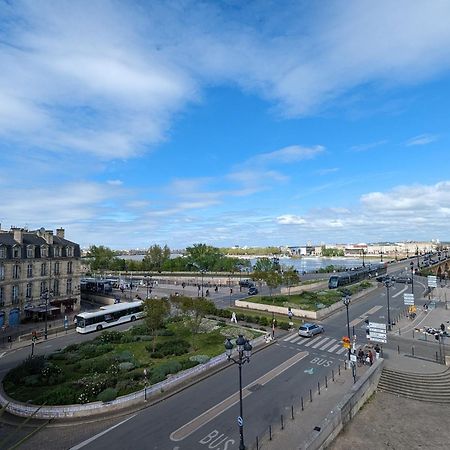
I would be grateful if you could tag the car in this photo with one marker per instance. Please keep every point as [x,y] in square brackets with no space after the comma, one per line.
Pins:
[252,291]
[383,278]
[310,329]
[406,280]
[246,283]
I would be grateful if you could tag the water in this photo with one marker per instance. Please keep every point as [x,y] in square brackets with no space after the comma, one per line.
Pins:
[305,264]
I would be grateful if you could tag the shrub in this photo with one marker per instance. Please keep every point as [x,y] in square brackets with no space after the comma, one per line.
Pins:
[99,365]
[125,356]
[284,325]
[126,339]
[60,395]
[107,395]
[72,348]
[110,337]
[187,364]
[201,359]
[174,347]
[264,321]
[58,356]
[156,355]
[32,380]
[126,366]
[138,330]
[31,366]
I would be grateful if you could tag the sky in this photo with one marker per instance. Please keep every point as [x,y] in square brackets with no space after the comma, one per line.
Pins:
[226,122]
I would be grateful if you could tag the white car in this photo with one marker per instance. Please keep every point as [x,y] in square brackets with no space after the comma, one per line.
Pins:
[310,329]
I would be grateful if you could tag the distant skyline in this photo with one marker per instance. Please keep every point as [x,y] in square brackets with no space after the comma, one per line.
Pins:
[228,123]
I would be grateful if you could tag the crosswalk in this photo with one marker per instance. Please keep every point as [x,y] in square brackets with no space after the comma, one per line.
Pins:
[322,343]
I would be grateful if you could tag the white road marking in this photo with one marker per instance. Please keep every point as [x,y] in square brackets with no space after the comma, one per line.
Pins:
[401,292]
[332,349]
[342,350]
[311,342]
[327,344]
[365,315]
[2,354]
[298,338]
[93,438]
[320,342]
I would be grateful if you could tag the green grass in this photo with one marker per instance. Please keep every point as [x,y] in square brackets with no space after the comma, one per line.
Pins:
[86,368]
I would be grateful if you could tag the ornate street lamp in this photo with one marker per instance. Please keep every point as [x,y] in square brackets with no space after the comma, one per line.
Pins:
[244,350]
[388,284]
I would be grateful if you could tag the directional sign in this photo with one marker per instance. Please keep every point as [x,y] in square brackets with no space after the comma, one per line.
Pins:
[381,326]
[377,335]
[408,299]
[432,280]
[383,341]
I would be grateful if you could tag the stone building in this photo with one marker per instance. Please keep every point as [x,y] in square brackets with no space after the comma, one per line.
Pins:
[39,274]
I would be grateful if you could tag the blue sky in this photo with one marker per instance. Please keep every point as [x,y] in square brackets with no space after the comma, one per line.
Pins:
[226,122]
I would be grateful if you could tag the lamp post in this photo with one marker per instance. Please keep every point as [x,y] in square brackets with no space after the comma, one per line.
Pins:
[388,284]
[149,284]
[346,301]
[363,252]
[244,349]
[45,295]
[381,256]
[412,277]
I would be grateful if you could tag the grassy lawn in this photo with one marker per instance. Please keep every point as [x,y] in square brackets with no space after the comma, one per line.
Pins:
[310,301]
[113,363]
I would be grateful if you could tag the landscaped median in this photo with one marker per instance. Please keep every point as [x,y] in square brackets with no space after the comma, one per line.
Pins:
[116,369]
[308,304]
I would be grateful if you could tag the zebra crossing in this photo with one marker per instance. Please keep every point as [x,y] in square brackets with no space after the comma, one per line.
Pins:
[322,343]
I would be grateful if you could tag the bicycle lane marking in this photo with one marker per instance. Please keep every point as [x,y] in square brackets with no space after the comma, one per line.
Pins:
[201,420]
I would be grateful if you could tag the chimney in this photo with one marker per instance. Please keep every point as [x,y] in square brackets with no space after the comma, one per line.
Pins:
[60,233]
[18,234]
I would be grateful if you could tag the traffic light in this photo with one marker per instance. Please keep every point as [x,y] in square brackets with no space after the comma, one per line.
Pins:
[346,342]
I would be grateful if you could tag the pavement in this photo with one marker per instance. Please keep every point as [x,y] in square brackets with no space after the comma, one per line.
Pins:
[385,421]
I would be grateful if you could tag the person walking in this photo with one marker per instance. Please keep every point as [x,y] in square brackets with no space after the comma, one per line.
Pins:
[377,351]
[233,317]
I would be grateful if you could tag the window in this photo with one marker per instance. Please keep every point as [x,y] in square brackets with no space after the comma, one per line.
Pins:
[29,290]
[44,251]
[69,267]
[30,271]
[69,286]
[55,287]
[15,295]
[69,252]
[30,251]
[2,272]
[43,287]
[2,296]
[56,251]
[43,269]
[16,251]
[2,252]
[56,268]
[16,271]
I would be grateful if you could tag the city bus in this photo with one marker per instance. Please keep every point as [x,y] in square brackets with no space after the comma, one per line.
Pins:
[108,316]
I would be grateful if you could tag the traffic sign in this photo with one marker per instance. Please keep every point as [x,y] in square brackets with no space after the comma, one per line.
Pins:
[383,341]
[408,299]
[377,335]
[377,332]
[432,280]
[375,325]
[240,421]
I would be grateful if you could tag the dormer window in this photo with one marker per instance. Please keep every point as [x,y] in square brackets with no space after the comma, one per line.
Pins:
[30,251]
[16,251]
[69,252]
[2,252]
[57,251]
[44,251]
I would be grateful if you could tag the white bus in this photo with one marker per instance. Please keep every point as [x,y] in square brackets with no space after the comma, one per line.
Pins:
[108,316]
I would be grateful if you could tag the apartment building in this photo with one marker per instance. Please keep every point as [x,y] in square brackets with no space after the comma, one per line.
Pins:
[39,274]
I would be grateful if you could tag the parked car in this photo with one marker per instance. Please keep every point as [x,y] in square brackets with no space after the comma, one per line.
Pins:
[310,329]
[406,280]
[252,291]
[246,283]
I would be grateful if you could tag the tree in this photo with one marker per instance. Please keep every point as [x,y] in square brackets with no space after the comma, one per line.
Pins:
[155,313]
[267,270]
[290,277]
[203,257]
[101,258]
[155,258]
[194,311]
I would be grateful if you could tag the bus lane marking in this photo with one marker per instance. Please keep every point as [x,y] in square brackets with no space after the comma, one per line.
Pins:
[195,424]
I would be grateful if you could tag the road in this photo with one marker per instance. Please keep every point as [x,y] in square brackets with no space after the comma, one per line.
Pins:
[205,414]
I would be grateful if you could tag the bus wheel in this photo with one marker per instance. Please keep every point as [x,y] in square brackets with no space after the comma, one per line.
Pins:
[99,328]
[133,318]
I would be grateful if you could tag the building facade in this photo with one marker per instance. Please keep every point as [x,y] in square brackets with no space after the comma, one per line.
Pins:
[39,274]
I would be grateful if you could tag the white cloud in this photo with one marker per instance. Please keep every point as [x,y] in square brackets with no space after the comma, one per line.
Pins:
[365,147]
[288,155]
[422,139]
[115,182]
[289,219]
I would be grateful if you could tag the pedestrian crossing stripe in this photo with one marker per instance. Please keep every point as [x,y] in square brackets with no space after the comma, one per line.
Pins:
[332,349]
[326,345]
[292,336]
[297,338]
[320,342]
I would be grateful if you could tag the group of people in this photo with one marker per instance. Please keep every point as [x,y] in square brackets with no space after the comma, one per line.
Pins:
[367,356]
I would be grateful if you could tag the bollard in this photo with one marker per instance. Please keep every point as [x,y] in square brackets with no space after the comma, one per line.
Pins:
[398,349]
[345,365]
[318,387]
[326,382]
[292,412]
[412,350]
[310,396]
[339,369]
[426,336]
[332,374]
[257,443]
[270,432]
[282,422]
[353,330]
[303,408]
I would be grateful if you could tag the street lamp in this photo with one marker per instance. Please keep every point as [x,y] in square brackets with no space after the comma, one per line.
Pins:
[381,255]
[346,301]
[244,349]
[45,294]
[412,277]
[363,252]
[148,282]
[388,284]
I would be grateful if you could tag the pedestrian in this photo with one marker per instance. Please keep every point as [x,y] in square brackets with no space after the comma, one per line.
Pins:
[290,314]
[361,356]
[370,357]
[377,351]
[233,317]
